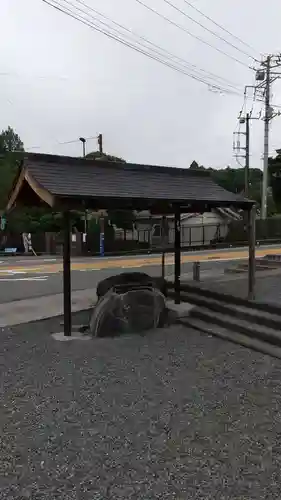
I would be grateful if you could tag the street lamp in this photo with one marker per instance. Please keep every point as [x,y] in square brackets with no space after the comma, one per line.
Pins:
[83,140]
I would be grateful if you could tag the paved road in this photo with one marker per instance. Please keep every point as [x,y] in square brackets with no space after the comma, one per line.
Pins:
[22,278]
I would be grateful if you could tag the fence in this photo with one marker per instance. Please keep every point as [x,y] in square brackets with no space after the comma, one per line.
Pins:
[133,242]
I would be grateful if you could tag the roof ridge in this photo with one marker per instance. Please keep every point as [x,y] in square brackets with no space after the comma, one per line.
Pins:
[71,160]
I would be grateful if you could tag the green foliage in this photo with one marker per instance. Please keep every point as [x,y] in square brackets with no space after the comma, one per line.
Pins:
[11,148]
[33,220]
[233,179]
[10,141]
[123,219]
[274,171]
[194,165]
[96,155]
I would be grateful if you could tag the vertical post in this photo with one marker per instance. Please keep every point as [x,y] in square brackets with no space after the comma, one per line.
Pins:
[66,276]
[177,254]
[266,141]
[247,156]
[100,144]
[252,248]
[164,242]
[83,140]
[196,271]
[101,236]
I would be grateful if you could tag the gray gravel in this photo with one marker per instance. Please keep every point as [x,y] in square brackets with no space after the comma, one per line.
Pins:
[171,415]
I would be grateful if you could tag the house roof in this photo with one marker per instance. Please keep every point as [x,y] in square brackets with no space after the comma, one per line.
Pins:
[101,184]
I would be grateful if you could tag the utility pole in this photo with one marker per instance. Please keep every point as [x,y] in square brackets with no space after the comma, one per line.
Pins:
[247,155]
[100,144]
[266,139]
[268,72]
[83,140]
[237,148]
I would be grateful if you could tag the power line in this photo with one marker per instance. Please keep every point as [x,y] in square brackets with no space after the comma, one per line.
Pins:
[169,56]
[193,66]
[182,28]
[56,5]
[73,141]
[208,30]
[220,26]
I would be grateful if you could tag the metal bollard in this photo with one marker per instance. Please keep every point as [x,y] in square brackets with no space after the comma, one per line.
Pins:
[196,271]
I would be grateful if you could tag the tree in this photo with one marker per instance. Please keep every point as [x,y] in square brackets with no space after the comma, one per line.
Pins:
[123,219]
[194,165]
[233,179]
[96,155]
[10,141]
[11,148]
[274,175]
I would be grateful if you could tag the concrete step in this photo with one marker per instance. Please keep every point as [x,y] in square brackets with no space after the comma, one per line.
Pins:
[273,257]
[234,337]
[261,265]
[227,298]
[252,315]
[253,330]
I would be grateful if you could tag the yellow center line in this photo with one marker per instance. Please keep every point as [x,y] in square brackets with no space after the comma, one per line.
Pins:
[138,262]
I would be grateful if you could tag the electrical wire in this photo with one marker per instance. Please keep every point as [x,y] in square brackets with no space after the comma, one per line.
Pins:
[168,55]
[171,55]
[73,141]
[56,5]
[208,30]
[182,28]
[221,27]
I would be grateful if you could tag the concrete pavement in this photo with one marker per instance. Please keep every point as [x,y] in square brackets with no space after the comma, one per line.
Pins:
[27,310]
[31,288]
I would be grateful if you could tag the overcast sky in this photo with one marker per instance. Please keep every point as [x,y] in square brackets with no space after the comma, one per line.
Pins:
[60,80]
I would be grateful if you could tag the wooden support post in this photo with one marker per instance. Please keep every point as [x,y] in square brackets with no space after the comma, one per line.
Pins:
[163,265]
[177,254]
[252,250]
[66,276]
[164,243]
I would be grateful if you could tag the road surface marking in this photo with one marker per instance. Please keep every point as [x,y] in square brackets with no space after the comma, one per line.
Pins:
[125,263]
[11,271]
[35,278]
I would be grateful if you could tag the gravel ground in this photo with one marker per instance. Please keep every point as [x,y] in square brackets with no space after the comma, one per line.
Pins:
[170,415]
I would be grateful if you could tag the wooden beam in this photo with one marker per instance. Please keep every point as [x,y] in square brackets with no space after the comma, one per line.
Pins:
[252,252]
[42,193]
[66,275]
[17,188]
[177,249]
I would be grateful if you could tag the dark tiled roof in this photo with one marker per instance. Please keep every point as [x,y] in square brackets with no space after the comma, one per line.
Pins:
[72,177]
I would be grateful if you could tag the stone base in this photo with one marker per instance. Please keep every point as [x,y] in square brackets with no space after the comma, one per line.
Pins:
[75,336]
[181,310]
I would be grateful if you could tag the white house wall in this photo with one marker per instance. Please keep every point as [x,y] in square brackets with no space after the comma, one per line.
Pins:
[197,230]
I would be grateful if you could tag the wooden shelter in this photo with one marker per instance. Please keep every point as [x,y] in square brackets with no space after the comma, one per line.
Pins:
[66,183]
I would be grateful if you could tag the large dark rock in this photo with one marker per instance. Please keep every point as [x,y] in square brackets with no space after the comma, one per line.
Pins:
[134,311]
[129,280]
